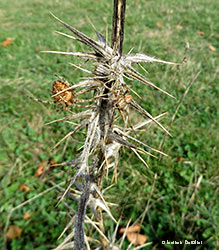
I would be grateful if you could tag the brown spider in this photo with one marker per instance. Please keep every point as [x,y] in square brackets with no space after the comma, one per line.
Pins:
[64,94]
[122,101]
[121,105]
[60,92]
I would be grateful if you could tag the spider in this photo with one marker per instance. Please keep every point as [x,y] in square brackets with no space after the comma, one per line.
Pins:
[121,105]
[66,95]
[122,101]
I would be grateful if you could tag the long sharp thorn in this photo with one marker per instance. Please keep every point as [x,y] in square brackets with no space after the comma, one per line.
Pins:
[137,76]
[83,114]
[138,126]
[85,39]
[69,134]
[138,155]
[141,110]
[63,34]
[139,142]
[69,186]
[85,70]
[79,54]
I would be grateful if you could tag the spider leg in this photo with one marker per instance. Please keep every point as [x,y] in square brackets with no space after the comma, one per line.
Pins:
[82,106]
[129,121]
[122,111]
[62,78]
[42,101]
[86,90]
[64,106]
[85,100]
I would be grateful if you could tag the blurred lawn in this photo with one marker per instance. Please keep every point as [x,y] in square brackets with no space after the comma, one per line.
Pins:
[157,28]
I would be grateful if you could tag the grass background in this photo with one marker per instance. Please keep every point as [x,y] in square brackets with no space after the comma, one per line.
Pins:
[156,28]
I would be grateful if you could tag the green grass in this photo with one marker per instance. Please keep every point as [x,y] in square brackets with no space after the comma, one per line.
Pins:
[25,141]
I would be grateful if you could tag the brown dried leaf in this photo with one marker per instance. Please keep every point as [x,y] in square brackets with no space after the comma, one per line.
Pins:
[159,25]
[41,168]
[180,159]
[136,239]
[200,33]
[7,24]
[23,187]
[27,216]
[131,229]
[7,41]
[212,48]
[14,232]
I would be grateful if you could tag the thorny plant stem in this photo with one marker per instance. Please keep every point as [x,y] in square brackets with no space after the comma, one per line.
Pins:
[106,104]
[103,139]
[99,183]
[118,25]
[79,233]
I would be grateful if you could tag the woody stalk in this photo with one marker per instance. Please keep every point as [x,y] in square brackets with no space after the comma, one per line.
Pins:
[106,119]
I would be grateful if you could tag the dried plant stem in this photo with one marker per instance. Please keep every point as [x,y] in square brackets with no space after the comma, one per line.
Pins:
[176,111]
[79,226]
[106,117]
[100,180]
[108,106]
[118,25]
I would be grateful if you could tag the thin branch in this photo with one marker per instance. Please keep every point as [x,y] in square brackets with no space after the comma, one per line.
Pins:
[177,109]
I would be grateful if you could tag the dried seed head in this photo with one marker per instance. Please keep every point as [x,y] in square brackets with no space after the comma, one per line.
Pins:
[59,86]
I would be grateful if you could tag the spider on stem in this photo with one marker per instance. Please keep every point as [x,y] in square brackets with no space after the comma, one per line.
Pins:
[62,93]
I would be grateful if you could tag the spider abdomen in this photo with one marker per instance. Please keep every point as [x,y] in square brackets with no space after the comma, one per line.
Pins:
[59,93]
